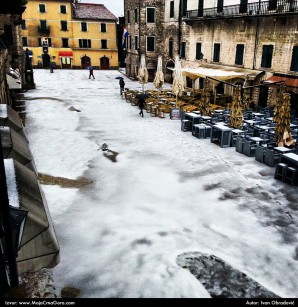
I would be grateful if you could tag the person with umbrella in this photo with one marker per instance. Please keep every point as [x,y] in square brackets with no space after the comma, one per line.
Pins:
[122,84]
[141,102]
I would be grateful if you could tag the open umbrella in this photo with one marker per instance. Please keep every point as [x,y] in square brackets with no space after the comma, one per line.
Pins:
[142,96]
[178,83]
[159,76]
[236,115]
[119,78]
[143,72]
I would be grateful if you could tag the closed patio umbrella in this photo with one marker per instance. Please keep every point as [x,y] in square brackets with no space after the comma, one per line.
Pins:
[178,83]
[283,120]
[159,76]
[204,105]
[143,72]
[236,109]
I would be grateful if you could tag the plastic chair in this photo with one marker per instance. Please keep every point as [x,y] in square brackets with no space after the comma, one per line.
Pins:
[280,171]
[290,175]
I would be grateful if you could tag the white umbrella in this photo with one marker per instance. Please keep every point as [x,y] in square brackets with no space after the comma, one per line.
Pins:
[159,76]
[178,83]
[143,72]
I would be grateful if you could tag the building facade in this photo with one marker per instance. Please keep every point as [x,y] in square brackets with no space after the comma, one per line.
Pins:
[256,38]
[144,22]
[71,34]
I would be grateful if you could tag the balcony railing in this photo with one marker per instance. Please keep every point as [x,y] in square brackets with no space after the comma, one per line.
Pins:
[44,30]
[242,10]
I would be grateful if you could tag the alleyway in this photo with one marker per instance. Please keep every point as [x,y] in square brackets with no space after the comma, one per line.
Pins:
[167,193]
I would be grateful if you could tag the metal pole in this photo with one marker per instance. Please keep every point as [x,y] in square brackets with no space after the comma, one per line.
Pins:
[9,252]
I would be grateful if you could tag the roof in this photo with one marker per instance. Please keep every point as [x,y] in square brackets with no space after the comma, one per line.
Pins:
[92,11]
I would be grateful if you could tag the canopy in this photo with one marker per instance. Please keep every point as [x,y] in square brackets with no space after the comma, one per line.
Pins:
[66,54]
[219,72]
[290,81]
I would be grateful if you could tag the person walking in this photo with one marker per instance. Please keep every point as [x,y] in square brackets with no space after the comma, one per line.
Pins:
[122,84]
[141,104]
[91,71]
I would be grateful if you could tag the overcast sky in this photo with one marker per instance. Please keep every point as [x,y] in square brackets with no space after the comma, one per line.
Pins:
[115,6]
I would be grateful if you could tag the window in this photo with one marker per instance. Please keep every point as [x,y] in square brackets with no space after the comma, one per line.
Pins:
[220,4]
[85,43]
[184,8]
[171,47]
[23,24]
[39,42]
[172,12]
[49,42]
[129,42]
[272,5]
[239,54]
[216,53]
[243,6]
[150,14]
[84,26]
[63,25]
[42,8]
[183,50]
[294,62]
[267,56]
[103,27]
[201,8]
[63,9]
[128,16]
[104,44]
[24,41]
[43,24]
[150,43]
[199,54]
[65,43]
[136,42]
[136,15]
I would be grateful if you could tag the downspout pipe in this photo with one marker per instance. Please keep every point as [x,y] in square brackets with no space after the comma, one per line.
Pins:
[256,37]
[179,27]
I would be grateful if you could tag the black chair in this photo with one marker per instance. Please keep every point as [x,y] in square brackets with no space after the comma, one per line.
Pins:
[249,148]
[280,171]
[291,175]
[260,153]
[239,144]
[271,158]
[185,125]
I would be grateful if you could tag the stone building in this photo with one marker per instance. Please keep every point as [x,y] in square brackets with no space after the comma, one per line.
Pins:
[144,22]
[11,51]
[256,39]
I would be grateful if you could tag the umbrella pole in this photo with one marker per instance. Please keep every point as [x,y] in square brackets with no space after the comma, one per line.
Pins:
[143,88]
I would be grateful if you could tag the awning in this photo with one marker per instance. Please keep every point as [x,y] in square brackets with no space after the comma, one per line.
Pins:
[291,81]
[65,54]
[220,72]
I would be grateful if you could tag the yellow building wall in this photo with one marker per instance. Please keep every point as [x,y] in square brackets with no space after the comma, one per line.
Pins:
[32,16]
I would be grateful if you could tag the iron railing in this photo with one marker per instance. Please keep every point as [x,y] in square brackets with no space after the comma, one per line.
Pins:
[262,8]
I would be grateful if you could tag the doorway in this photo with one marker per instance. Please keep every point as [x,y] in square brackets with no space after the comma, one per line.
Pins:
[46,59]
[104,63]
[85,61]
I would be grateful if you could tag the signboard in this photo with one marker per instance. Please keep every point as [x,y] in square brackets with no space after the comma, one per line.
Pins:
[175,113]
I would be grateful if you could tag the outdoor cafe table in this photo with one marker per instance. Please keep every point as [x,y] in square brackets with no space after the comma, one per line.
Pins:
[282,149]
[256,139]
[291,159]
[193,118]
[250,122]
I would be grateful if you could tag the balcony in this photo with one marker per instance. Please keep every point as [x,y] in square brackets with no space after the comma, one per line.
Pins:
[44,30]
[255,9]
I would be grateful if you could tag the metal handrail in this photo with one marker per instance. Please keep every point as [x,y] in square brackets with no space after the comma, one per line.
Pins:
[249,9]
